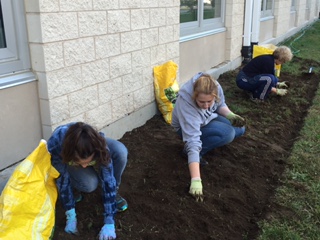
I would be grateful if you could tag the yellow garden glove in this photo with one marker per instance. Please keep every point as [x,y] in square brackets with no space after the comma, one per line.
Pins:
[196,189]
[236,120]
[281,92]
[282,85]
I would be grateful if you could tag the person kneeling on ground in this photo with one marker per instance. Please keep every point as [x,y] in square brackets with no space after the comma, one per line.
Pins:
[258,78]
[204,122]
[77,149]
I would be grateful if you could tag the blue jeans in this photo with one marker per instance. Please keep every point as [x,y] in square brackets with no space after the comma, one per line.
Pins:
[87,179]
[217,133]
[259,85]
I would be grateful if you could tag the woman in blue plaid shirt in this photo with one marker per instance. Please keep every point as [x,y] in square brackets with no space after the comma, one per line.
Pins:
[84,158]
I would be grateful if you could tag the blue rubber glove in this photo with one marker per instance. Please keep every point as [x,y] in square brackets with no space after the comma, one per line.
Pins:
[71,226]
[107,232]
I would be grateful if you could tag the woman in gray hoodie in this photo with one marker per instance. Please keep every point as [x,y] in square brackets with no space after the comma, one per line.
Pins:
[203,120]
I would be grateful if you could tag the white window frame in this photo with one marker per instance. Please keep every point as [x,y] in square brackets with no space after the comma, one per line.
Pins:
[202,27]
[266,13]
[14,59]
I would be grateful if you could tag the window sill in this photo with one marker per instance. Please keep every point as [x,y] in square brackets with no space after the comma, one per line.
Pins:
[266,18]
[201,35]
[16,79]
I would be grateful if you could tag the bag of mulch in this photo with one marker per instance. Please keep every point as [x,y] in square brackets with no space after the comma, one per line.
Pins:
[266,49]
[27,203]
[166,88]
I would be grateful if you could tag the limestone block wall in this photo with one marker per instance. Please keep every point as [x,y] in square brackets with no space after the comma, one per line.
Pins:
[307,10]
[282,17]
[234,24]
[301,11]
[286,23]
[94,59]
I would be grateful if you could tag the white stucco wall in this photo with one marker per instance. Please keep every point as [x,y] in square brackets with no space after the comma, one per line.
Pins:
[20,121]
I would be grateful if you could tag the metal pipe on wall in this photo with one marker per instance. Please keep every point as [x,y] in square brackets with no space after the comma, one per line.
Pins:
[246,52]
[256,22]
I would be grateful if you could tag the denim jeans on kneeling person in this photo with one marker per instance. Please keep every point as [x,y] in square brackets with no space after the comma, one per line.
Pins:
[87,179]
[260,85]
[217,133]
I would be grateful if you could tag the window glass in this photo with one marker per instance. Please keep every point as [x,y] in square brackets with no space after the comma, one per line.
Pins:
[188,11]
[201,17]
[2,34]
[267,8]
[14,52]
[269,5]
[211,9]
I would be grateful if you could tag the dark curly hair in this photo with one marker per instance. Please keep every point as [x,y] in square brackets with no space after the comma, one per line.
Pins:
[81,141]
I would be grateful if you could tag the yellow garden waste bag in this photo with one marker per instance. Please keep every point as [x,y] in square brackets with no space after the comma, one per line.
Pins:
[266,49]
[166,88]
[27,203]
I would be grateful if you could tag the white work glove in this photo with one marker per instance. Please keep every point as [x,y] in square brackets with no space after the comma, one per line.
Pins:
[282,85]
[281,92]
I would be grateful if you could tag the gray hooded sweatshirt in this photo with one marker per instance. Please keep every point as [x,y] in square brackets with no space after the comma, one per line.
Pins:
[188,117]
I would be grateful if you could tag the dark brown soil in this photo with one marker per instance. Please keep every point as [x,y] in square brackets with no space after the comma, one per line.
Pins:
[238,183]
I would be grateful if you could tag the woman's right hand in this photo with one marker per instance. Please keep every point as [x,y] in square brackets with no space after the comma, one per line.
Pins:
[196,189]
[71,225]
[107,232]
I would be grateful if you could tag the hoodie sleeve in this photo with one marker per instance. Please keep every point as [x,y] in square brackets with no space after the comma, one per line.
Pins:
[190,122]
[63,182]
[108,183]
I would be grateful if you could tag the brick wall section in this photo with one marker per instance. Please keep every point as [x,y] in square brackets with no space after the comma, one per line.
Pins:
[94,58]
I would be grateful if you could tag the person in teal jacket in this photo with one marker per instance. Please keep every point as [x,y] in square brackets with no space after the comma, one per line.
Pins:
[84,158]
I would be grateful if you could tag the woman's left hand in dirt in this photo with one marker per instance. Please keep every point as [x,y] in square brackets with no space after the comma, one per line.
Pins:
[236,119]
[107,232]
